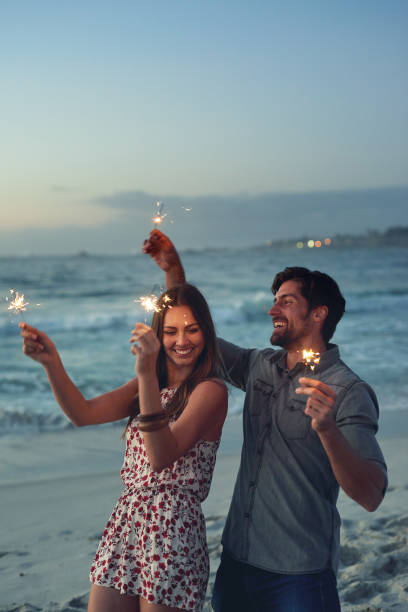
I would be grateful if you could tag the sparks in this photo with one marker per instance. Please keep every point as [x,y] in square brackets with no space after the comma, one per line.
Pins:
[17,304]
[159,216]
[149,303]
[310,358]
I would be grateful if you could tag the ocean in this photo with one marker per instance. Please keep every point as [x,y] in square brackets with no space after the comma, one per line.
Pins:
[87,306]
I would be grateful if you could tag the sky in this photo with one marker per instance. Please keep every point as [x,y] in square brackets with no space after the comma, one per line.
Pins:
[266,118]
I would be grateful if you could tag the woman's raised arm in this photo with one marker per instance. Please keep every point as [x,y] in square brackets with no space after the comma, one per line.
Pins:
[105,408]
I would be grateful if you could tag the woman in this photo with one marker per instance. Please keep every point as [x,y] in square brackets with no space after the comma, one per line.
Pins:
[153,555]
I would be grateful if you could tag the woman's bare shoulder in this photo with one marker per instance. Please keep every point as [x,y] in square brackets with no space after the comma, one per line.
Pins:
[212,383]
[211,391]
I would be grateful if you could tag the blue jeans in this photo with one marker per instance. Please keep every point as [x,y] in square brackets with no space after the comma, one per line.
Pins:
[244,588]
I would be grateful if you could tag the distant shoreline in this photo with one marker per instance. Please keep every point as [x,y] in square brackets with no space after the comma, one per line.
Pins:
[392,237]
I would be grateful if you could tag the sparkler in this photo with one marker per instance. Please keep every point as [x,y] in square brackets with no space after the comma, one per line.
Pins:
[149,302]
[310,359]
[159,216]
[17,305]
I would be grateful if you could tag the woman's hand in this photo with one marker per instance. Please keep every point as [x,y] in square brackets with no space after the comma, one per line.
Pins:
[37,345]
[146,347]
[163,252]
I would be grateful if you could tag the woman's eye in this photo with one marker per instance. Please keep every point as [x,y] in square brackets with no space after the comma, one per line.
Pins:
[194,330]
[169,333]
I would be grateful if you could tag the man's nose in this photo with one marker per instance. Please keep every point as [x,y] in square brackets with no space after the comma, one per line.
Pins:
[273,310]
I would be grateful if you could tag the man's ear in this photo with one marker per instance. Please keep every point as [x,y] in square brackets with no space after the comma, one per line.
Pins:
[320,313]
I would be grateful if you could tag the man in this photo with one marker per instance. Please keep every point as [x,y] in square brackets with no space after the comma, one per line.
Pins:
[303,438]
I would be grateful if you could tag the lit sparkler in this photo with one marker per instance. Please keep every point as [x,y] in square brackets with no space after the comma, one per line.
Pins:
[17,305]
[159,216]
[310,359]
[149,302]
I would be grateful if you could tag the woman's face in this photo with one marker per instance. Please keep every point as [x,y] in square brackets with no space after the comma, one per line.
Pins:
[183,340]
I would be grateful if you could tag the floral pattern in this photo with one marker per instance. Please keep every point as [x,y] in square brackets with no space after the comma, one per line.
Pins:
[154,544]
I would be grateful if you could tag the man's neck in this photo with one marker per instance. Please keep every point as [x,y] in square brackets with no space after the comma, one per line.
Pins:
[295,353]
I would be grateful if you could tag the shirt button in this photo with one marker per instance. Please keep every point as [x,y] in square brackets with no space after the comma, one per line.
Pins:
[252,483]
[246,515]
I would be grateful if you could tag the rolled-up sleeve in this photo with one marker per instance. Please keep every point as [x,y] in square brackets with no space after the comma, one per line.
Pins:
[357,417]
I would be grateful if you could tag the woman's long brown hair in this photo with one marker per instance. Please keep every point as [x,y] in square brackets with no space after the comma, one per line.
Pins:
[208,364]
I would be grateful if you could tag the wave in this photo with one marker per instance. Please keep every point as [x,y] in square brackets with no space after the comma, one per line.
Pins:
[249,310]
[24,420]
[70,322]
[370,293]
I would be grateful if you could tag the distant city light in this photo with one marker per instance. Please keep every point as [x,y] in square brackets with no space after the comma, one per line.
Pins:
[327,241]
[300,244]
[318,244]
[310,244]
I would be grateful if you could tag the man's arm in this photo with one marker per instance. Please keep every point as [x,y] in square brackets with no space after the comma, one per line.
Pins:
[162,250]
[361,478]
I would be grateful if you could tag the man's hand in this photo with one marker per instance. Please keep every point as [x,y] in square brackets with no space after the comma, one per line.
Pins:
[162,250]
[319,405]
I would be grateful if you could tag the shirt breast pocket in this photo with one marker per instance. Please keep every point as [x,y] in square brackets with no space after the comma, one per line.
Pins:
[293,423]
[262,392]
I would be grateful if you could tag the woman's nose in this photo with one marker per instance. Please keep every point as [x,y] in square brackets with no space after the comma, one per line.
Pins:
[181,337]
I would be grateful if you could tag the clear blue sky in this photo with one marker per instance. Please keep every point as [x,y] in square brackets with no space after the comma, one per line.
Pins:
[192,98]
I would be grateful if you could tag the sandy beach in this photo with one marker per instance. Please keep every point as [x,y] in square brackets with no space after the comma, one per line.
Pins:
[57,491]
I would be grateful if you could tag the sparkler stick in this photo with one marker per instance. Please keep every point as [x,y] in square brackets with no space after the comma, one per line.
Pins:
[310,359]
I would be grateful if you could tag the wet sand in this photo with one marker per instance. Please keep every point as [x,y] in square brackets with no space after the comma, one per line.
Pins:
[58,489]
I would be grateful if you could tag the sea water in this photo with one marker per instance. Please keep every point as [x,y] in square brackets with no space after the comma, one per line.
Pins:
[87,306]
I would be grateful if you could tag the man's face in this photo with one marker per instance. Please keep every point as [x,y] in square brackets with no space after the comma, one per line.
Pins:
[292,321]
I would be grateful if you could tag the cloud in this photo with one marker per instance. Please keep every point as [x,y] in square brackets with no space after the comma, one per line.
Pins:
[220,220]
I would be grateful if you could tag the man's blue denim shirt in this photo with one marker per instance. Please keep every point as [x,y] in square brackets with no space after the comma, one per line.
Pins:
[283,516]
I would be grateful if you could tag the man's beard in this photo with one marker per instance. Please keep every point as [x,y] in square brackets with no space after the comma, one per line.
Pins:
[280,339]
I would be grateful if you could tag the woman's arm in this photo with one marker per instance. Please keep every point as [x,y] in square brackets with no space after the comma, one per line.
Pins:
[162,250]
[202,418]
[105,408]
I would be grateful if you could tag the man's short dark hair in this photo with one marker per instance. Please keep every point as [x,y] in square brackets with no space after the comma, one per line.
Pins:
[318,289]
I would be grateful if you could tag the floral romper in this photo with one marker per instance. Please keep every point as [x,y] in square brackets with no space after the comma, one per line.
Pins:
[154,544]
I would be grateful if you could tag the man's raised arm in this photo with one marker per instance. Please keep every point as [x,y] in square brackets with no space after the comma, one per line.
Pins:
[162,250]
